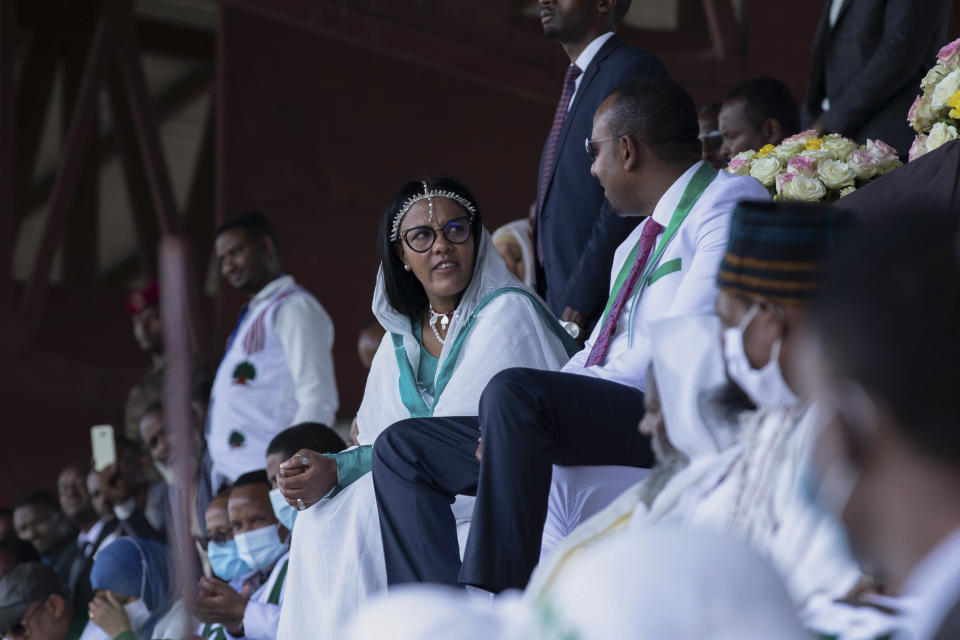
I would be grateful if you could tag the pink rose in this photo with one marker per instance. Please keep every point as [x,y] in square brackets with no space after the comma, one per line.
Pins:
[864,165]
[918,148]
[802,165]
[912,113]
[886,156]
[782,180]
[739,167]
[949,53]
[802,136]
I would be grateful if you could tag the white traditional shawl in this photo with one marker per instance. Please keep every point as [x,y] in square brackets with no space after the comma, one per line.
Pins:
[336,559]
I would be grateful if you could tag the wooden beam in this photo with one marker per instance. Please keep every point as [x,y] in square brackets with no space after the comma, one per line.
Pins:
[33,102]
[724,35]
[146,130]
[79,134]
[144,220]
[178,97]
[8,51]
[79,252]
[198,221]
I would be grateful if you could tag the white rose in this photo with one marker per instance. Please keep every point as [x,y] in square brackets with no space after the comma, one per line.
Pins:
[933,76]
[923,114]
[918,148]
[836,174]
[838,145]
[847,191]
[820,154]
[940,134]
[746,155]
[765,169]
[804,189]
[787,150]
[946,88]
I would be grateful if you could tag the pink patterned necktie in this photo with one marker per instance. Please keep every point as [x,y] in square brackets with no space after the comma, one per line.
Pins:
[648,237]
[550,155]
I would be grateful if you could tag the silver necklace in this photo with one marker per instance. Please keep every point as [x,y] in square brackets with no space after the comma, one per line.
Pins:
[442,319]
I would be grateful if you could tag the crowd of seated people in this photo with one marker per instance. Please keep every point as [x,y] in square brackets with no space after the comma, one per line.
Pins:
[751,434]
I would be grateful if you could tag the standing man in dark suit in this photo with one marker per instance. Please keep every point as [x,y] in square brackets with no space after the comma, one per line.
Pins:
[866,65]
[575,231]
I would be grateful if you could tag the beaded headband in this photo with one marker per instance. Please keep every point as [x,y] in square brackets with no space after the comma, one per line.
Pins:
[429,195]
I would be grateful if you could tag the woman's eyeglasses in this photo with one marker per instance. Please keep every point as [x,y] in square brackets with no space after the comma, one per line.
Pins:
[421,239]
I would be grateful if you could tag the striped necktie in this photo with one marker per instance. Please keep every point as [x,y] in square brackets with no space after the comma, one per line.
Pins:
[648,238]
[550,155]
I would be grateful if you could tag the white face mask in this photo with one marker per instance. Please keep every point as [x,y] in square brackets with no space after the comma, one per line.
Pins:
[138,614]
[765,386]
[261,547]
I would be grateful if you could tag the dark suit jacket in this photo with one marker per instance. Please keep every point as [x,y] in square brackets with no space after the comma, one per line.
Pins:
[578,231]
[870,66]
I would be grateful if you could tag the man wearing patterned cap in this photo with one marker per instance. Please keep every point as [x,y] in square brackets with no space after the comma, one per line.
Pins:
[769,278]
[143,305]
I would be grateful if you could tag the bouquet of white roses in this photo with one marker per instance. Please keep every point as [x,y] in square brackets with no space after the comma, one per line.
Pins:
[810,168]
[935,114]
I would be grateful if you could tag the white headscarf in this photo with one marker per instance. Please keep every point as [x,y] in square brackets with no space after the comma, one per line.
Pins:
[688,363]
[525,334]
[519,230]
[672,583]
[662,583]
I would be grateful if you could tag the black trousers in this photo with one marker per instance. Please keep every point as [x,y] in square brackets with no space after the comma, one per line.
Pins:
[529,420]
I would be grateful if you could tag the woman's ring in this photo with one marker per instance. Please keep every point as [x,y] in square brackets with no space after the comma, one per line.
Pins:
[300,504]
[304,460]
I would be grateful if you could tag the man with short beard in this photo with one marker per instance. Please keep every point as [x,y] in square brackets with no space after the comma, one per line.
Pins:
[575,232]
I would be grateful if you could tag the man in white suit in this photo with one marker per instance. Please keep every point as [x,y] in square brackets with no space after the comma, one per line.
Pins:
[646,155]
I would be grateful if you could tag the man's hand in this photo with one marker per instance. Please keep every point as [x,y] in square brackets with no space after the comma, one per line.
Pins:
[818,127]
[114,485]
[577,318]
[217,602]
[107,613]
[308,475]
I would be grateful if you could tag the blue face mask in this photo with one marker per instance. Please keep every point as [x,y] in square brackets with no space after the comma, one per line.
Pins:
[286,514]
[261,547]
[225,561]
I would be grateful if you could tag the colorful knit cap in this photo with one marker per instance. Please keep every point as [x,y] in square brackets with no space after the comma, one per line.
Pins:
[779,250]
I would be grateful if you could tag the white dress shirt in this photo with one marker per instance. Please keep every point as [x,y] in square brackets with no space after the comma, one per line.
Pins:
[585,58]
[934,588]
[699,244]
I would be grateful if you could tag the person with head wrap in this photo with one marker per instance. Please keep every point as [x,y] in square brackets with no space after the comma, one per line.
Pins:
[512,241]
[455,316]
[135,592]
[770,276]
[659,583]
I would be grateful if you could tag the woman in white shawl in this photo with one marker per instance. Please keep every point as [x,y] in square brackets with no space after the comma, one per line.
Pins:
[454,317]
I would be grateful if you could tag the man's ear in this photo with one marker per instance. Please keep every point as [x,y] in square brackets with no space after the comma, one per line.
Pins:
[771,130]
[56,605]
[606,7]
[269,246]
[629,153]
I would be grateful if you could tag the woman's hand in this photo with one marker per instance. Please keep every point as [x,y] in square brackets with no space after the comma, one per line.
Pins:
[307,476]
[107,613]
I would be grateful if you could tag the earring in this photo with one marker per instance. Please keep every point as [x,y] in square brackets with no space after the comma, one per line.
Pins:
[406,267]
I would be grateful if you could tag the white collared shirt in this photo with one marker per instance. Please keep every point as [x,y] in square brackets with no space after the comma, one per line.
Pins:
[585,58]
[306,332]
[91,535]
[934,587]
[691,288]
